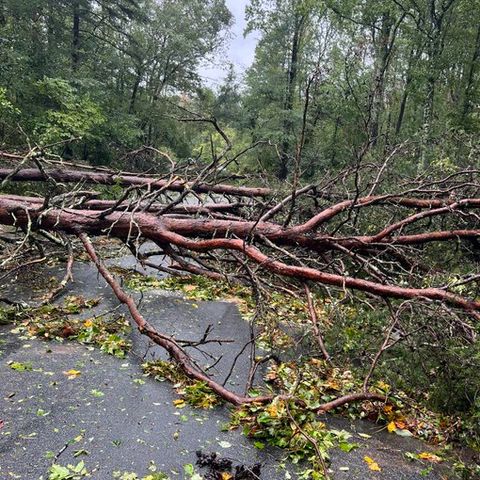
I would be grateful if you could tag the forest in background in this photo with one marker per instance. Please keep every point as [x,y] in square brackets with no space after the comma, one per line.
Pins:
[332,82]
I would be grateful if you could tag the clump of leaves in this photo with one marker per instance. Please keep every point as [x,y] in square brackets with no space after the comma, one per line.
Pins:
[21,366]
[287,425]
[8,315]
[465,471]
[195,393]
[313,381]
[199,394]
[141,283]
[294,425]
[70,472]
[194,287]
[162,370]
[55,322]
[106,334]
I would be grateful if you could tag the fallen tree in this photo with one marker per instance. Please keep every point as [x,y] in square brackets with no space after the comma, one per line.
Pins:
[371,243]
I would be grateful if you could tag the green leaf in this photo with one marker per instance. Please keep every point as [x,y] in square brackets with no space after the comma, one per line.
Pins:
[57,472]
[21,367]
[348,447]
[78,468]
[189,470]
[82,451]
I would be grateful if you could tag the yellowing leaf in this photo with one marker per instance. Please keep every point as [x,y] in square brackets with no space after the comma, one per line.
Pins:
[71,374]
[88,323]
[388,409]
[391,427]
[272,410]
[179,403]
[372,464]
[383,386]
[333,384]
[429,457]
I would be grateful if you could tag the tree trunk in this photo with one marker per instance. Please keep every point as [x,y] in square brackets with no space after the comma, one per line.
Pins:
[406,91]
[467,103]
[290,93]
[383,50]
[136,85]
[76,36]
[428,109]
[436,46]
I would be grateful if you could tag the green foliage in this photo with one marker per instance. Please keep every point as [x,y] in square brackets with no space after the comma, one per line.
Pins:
[107,82]
[70,115]
[56,322]
[7,315]
[7,109]
[285,425]
[195,393]
[70,472]
[114,84]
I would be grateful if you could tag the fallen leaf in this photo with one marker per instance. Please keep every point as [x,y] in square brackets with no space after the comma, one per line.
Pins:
[383,386]
[272,410]
[21,367]
[82,451]
[226,476]
[429,457]
[179,403]
[401,425]
[391,427]
[388,409]
[71,374]
[372,464]
[224,444]
[348,447]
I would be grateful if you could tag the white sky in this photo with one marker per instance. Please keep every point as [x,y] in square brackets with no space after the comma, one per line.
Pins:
[240,51]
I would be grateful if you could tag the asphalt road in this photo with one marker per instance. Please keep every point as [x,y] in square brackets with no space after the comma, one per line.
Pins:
[116,420]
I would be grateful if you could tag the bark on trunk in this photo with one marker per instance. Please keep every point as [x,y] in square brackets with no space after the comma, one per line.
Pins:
[76,36]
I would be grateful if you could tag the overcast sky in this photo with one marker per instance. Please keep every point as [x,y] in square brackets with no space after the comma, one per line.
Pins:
[240,51]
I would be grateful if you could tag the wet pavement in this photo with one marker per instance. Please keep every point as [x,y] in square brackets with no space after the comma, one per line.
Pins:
[115,419]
